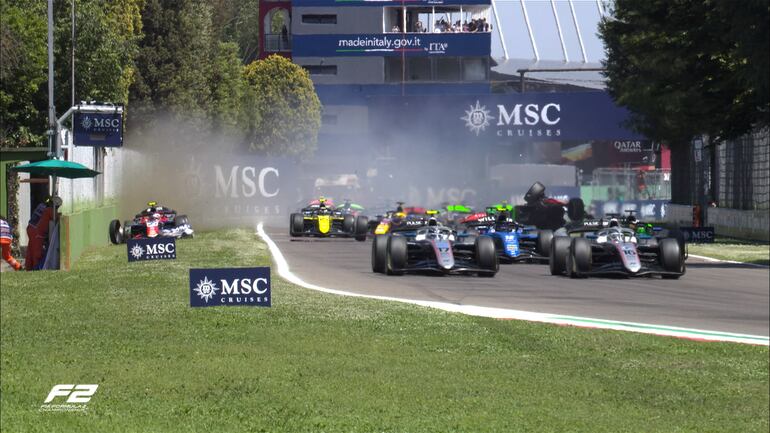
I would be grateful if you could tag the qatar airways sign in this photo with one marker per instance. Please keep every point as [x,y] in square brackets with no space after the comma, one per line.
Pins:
[518,120]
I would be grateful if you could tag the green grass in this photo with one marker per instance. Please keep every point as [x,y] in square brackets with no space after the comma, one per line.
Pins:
[321,363]
[733,249]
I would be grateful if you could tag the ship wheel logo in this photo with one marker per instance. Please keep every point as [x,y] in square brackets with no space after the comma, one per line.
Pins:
[477,118]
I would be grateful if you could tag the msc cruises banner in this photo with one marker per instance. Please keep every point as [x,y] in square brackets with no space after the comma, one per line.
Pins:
[509,117]
[381,3]
[395,44]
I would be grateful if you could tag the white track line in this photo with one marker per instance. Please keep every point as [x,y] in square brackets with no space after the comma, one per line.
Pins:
[711,259]
[502,313]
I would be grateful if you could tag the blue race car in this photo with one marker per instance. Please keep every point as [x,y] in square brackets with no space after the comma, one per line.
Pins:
[513,242]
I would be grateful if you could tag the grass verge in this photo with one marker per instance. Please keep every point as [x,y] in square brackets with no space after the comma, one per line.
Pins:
[732,249]
[320,363]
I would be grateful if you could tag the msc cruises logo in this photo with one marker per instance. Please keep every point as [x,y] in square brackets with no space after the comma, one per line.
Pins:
[86,123]
[477,118]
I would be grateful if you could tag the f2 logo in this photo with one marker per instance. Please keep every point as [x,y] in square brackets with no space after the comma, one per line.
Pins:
[76,393]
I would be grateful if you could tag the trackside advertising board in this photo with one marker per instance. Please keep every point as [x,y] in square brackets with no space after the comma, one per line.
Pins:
[230,287]
[395,44]
[160,248]
[98,129]
[700,235]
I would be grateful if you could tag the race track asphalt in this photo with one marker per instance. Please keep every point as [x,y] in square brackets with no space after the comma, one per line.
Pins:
[711,296]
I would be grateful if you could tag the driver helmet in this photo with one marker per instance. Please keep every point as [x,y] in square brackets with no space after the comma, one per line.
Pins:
[322,201]
[615,235]
[632,222]
[156,216]
[432,221]
[614,222]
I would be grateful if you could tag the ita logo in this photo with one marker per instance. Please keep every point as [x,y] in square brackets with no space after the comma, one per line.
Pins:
[230,286]
[477,118]
[159,248]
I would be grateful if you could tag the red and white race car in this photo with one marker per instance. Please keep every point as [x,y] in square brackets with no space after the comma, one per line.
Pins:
[151,222]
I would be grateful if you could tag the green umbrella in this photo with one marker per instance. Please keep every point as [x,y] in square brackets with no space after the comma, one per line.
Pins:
[55,167]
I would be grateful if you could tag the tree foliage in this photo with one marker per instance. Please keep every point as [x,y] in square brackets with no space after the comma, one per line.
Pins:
[290,110]
[689,67]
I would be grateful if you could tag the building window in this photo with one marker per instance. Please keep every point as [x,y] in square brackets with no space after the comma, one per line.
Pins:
[319,19]
[321,69]
[447,69]
[475,69]
[328,119]
[393,69]
[418,69]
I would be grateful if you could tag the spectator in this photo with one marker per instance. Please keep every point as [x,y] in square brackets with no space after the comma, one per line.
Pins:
[418,27]
[6,238]
[396,29]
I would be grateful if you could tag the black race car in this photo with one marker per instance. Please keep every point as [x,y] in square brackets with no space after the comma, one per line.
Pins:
[547,213]
[604,247]
[432,248]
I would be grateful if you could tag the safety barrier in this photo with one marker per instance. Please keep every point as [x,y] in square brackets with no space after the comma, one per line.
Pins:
[84,229]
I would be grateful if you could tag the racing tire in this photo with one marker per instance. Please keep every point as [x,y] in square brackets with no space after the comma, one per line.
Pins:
[557,259]
[124,237]
[579,259]
[396,255]
[361,228]
[296,224]
[181,220]
[576,209]
[486,256]
[349,224]
[535,193]
[380,254]
[544,240]
[671,258]
[115,232]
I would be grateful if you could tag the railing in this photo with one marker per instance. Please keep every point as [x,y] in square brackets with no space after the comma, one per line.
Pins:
[275,42]
[633,184]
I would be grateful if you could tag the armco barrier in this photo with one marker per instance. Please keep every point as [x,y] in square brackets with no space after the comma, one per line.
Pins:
[743,224]
[84,229]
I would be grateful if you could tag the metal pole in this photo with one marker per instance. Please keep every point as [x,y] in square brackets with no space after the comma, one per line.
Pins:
[72,102]
[500,30]
[558,28]
[577,30]
[529,30]
[521,80]
[51,110]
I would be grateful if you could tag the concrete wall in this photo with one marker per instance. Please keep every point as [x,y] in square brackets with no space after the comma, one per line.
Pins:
[84,229]
[744,224]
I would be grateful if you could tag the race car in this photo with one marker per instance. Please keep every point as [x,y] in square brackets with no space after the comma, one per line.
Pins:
[606,248]
[348,207]
[513,242]
[454,213]
[548,213]
[321,219]
[433,249]
[151,222]
[402,218]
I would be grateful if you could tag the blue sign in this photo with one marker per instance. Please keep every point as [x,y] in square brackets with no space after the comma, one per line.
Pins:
[98,129]
[393,44]
[230,286]
[701,235]
[159,248]
[505,118]
[382,3]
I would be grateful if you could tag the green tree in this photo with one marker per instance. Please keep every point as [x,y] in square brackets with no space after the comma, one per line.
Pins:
[174,63]
[238,21]
[227,89]
[290,111]
[689,67]
[23,61]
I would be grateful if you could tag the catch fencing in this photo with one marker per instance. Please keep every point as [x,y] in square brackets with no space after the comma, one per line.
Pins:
[743,170]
